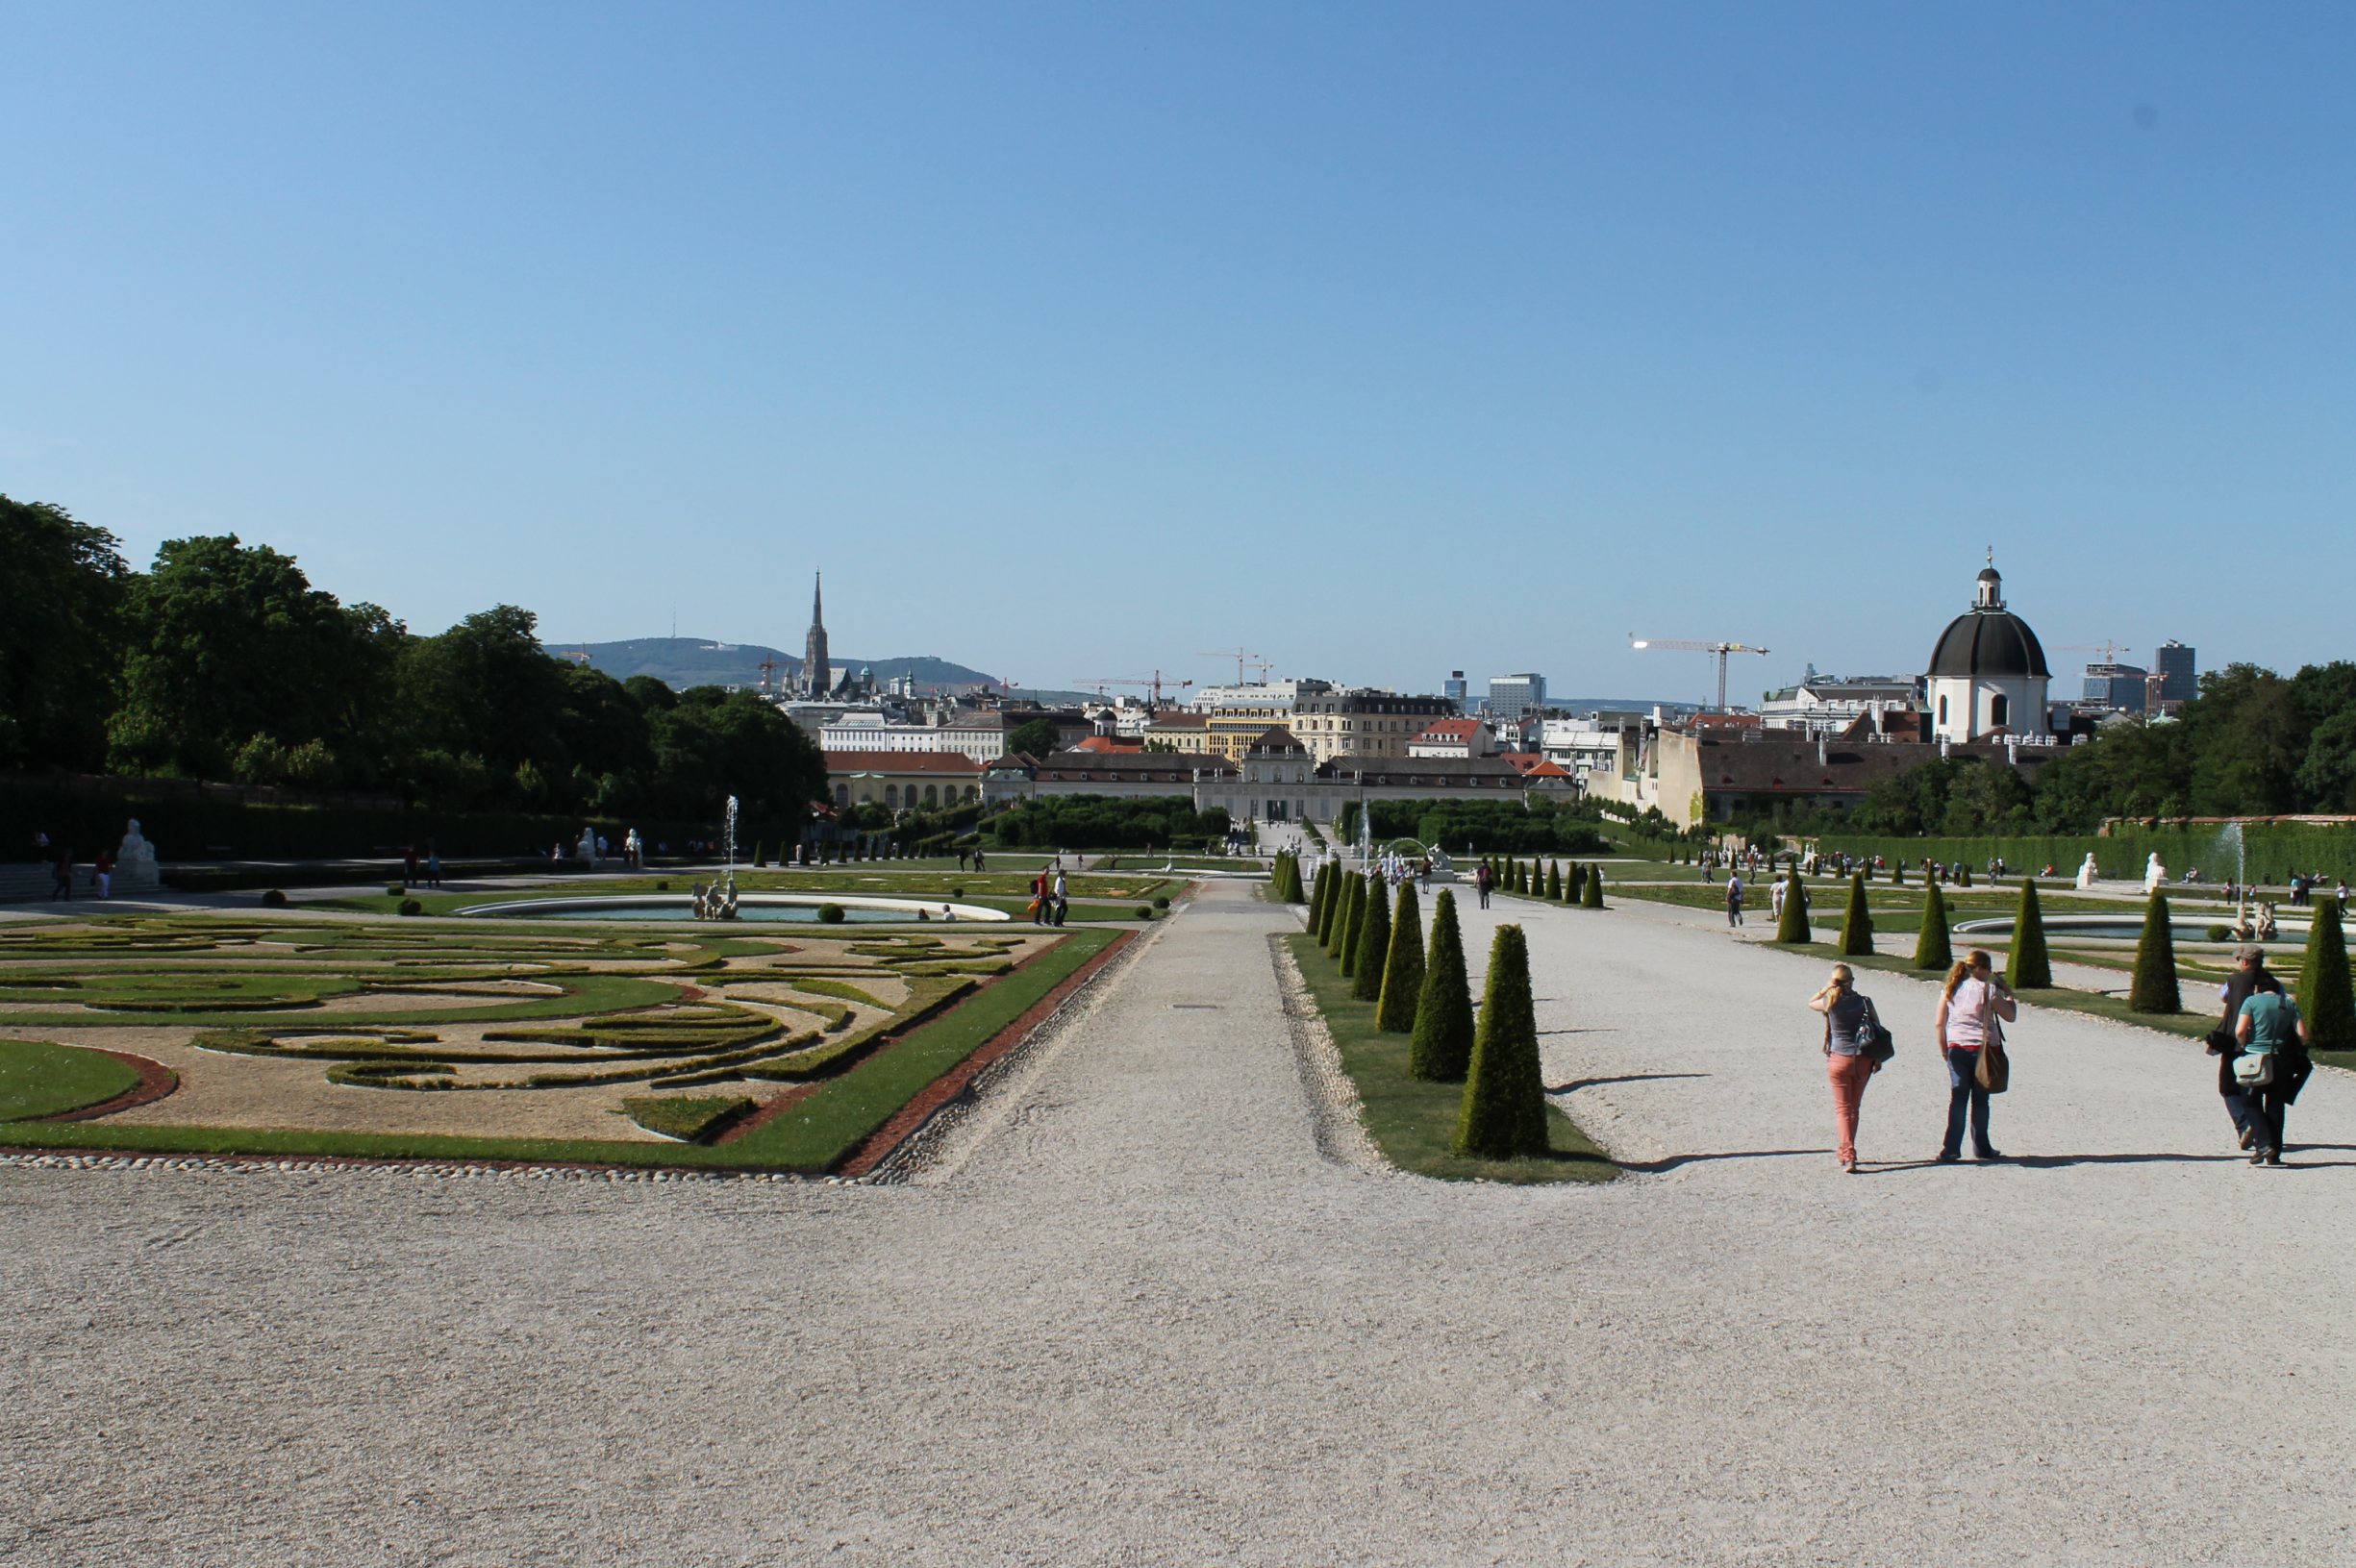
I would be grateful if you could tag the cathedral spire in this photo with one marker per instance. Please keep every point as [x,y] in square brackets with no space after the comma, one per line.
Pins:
[817,672]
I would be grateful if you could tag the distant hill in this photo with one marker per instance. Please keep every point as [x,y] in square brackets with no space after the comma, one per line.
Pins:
[699,662]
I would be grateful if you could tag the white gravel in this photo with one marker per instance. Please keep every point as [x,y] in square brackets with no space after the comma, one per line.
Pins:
[1145,1321]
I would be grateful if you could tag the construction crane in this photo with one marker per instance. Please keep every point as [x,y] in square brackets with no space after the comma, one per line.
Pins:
[768,669]
[1686,645]
[2109,650]
[1153,683]
[1243,657]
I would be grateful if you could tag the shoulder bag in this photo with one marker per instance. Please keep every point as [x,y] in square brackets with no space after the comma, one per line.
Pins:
[1877,1040]
[1995,1072]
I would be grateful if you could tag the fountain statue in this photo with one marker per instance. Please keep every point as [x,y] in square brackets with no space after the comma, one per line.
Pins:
[2154,873]
[728,840]
[587,849]
[2087,873]
[136,851]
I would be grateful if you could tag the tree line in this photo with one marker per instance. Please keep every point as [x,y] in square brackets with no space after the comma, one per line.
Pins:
[222,663]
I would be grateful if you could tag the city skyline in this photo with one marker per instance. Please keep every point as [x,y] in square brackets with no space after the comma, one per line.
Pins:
[1707,326]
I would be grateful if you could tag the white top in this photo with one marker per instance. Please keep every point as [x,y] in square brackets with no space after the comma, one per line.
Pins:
[1968,1013]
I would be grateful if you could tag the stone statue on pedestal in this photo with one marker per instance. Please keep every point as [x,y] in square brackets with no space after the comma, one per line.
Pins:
[2087,873]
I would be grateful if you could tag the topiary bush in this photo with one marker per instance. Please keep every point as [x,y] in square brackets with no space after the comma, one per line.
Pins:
[1857,922]
[395,889]
[274,899]
[1353,915]
[1395,1009]
[2030,966]
[1442,1046]
[1576,891]
[1161,900]
[831,914]
[1145,912]
[409,905]
[1374,944]
[1554,881]
[662,887]
[2154,988]
[2323,985]
[1591,895]
[1504,1114]
[1791,925]
[1897,873]
[1932,948]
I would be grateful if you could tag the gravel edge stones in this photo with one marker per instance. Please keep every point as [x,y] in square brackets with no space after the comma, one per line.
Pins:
[1337,1116]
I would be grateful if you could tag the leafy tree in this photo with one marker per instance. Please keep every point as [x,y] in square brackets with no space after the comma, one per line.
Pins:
[1441,1047]
[1857,923]
[2154,988]
[1402,985]
[1035,738]
[60,638]
[1374,943]
[1504,1113]
[2030,967]
[1932,948]
[230,641]
[2324,994]
[1791,925]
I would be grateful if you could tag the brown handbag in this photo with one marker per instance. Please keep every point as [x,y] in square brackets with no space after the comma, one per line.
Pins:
[1995,1072]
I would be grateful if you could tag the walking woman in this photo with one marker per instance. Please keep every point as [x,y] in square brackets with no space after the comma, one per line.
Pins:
[2274,1037]
[1846,1015]
[1972,1011]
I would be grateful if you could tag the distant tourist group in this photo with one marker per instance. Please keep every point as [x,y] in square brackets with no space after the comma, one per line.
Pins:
[2260,1041]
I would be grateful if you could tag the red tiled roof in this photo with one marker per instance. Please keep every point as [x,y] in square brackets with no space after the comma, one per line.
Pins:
[1451,729]
[1109,744]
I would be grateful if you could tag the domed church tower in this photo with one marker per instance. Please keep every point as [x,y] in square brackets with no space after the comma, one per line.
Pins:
[1988,674]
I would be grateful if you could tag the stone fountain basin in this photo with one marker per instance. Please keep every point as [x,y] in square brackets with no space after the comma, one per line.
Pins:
[2122,928]
[750,906]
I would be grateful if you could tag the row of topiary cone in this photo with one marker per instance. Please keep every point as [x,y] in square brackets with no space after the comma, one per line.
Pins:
[2326,995]
[1582,885]
[1424,991]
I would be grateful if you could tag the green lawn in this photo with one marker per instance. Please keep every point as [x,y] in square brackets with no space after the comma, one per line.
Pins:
[1109,897]
[38,1078]
[1413,1122]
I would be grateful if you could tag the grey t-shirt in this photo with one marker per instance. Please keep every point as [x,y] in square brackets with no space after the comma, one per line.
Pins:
[1847,1018]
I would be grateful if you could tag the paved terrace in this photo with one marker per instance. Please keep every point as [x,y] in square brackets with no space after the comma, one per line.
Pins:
[1139,1319]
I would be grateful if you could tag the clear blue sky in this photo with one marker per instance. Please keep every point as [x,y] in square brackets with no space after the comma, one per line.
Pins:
[1074,339]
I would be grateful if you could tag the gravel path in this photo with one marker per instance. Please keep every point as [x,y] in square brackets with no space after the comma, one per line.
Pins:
[1145,1321]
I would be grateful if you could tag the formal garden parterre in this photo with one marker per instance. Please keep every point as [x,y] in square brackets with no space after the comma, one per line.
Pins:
[769,1047]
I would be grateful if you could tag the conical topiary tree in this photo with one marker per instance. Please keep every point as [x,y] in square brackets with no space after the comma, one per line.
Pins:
[1504,1114]
[1441,1047]
[2030,968]
[1331,914]
[2154,988]
[1319,891]
[1897,873]
[1591,895]
[1963,876]
[1554,881]
[1394,1011]
[1373,943]
[1521,878]
[2323,986]
[1576,891]
[1932,949]
[1791,925]
[1353,917]
[1857,922]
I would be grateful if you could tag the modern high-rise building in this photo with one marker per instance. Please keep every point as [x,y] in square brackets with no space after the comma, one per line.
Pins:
[2115,686]
[2178,672]
[1513,698]
[1453,688]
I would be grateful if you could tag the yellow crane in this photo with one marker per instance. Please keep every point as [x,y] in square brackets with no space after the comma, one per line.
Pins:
[1688,645]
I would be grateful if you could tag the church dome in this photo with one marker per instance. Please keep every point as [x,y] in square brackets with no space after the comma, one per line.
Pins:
[1988,641]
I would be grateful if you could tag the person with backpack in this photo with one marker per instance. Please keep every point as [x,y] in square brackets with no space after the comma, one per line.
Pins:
[1851,1031]
[1482,881]
[1973,1009]
[2271,1067]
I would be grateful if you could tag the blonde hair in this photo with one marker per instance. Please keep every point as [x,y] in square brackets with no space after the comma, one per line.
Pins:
[1843,979]
[1956,975]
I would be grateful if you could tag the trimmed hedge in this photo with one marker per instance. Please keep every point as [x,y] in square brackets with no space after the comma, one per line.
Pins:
[1403,967]
[1441,1047]
[2030,966]
[2323,983]
[2155,988]
[1505,1093]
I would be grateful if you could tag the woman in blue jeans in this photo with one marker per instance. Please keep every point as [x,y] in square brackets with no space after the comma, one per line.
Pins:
[1972,1010]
